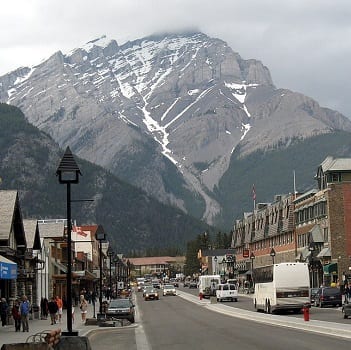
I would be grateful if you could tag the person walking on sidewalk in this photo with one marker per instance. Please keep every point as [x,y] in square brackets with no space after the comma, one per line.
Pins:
[52,307]
[16,315]
[59,303]
[24,311]
[83,307]
[3,311]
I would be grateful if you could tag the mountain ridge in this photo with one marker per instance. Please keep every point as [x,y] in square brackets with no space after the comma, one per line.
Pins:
[187,103]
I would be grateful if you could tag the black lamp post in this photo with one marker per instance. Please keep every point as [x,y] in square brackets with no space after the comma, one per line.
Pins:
[115,260]
[252,257]
[110,254]
[272,254]
[68,173]
[100,236]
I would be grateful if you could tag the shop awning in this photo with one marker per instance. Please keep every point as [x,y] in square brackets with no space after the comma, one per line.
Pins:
[330,269]
[8,269]
[325,252]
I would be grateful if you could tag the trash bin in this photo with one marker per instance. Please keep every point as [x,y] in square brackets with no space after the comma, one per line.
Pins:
[35,310]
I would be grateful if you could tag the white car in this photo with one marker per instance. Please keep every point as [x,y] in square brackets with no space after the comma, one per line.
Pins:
[169,289]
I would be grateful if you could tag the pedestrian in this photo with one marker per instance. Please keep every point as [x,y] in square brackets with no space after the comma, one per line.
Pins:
[24,311]
[3,311]
[73,313]
[52,308]
[59,303]
[44,308]
[83,307]
[346,293]
[16,315]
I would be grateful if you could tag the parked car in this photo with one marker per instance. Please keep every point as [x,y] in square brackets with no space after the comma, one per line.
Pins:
[346,310]
[313,292]
[169,289]
[193,284]
[121,308]
[328,296]
[151,293]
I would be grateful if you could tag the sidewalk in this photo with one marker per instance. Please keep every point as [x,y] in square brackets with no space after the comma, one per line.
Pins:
[8,335]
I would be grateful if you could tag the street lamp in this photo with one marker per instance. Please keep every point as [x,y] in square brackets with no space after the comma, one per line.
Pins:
[100,236]
[215,267]
[116,260]
[272,254]
[110,254]
[68,173]
[252,257]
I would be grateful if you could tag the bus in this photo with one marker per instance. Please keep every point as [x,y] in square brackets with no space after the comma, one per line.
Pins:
[283,286]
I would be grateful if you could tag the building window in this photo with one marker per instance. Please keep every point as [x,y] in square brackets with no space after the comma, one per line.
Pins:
[326,234]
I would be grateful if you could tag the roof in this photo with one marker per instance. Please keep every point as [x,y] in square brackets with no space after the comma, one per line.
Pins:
[31,232]
[7,207]
[338,164]
[51,229]
[152,260]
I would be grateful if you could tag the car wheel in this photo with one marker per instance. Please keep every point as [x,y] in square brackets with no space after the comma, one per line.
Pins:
[236,299]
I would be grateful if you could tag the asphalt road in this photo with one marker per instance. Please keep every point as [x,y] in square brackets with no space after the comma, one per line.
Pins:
[330,314]
[173,323]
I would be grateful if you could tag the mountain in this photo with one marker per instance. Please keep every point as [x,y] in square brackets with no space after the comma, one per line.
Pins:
[174,115]
[132,220]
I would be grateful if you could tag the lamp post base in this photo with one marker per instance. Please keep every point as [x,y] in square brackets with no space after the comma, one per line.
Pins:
[70,333]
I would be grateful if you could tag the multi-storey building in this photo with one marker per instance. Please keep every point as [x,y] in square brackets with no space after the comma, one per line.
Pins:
[314,227]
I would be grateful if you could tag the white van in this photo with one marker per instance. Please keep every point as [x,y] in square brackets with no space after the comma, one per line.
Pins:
[227,291]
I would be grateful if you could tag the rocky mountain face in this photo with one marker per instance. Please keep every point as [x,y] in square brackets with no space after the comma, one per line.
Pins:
[165,113]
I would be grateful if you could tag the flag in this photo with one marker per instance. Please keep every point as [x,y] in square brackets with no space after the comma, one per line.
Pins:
[253,192]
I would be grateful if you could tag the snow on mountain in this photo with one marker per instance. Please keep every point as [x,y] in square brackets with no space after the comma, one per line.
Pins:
[163,112]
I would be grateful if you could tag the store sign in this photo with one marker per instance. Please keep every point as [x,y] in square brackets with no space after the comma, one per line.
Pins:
[246,253]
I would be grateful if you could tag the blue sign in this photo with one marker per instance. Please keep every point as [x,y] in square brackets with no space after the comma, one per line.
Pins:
[8,271]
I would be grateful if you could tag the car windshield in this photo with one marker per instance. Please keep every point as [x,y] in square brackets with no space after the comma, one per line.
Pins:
[120,303]
[168,286]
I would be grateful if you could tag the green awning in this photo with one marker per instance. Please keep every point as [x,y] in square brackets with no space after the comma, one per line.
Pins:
[330,269]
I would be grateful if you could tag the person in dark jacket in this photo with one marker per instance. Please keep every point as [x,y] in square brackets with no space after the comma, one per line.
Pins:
[53,309]
[16,315]
[3,311]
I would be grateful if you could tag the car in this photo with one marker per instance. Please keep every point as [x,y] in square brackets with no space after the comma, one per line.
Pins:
[151,293]
[169,289]
[121,308]
[328,296]
[146,287]
[175,282]
[346,310]
[156,284]
[193,285]
[313,292]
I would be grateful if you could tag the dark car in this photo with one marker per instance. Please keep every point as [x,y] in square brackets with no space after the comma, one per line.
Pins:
[121,308]
[328,296]
[313,292]
[151,294]
[193,284]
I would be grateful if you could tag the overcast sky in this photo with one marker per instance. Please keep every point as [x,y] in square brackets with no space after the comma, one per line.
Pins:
[306,44]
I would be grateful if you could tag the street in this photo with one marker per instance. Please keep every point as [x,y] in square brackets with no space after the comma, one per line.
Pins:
[175,323]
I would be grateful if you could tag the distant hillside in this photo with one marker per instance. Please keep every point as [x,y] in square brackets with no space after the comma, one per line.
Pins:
[132,219]
[272,172]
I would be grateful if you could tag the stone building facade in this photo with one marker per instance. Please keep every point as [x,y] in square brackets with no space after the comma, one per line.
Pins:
[314,226]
